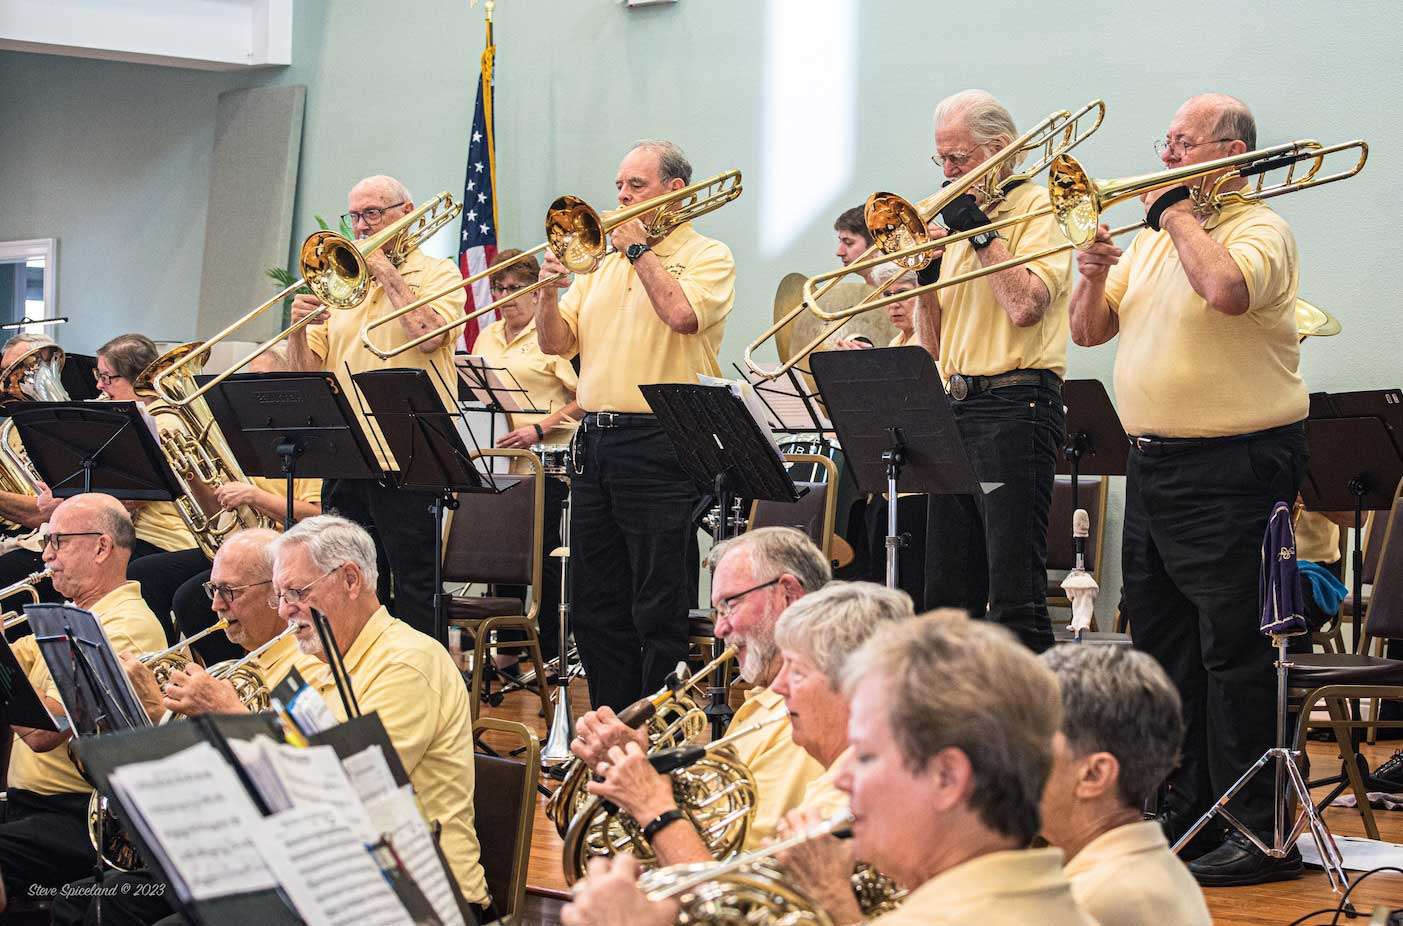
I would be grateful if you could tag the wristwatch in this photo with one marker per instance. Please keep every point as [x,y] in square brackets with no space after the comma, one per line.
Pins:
[980,242]
[636,251]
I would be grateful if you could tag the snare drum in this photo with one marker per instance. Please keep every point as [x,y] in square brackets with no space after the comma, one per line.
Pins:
[555,459]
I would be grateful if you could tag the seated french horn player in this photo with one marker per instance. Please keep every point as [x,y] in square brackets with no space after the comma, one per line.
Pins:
[756,576]
[1121,730]
[951,727]
[813,636]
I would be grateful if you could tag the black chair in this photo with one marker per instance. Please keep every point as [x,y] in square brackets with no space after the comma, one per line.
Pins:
[1336,680]
[495,538]
[504,807]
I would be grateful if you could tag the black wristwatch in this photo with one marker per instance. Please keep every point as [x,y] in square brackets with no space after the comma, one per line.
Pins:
[980,242]
[635,251]
[666,818]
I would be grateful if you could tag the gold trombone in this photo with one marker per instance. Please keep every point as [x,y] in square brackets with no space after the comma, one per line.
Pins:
[333,267]
[898,228]
[1077,202]
[578,236]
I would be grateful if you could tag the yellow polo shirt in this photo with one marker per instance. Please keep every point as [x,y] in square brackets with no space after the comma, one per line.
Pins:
[781,768]
[337,341]
[901,339]
[623,343]
[131,628]
[976,337]
[1317,538]
[1184,369]
[410,681]
[1128,877]
[549,380]
[303,490]
[822,793]
[1012,888]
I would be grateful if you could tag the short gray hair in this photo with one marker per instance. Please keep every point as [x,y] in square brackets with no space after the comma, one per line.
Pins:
[887,274]
[827,626]
[1118,700]
[672,163]
[331,541]
[30,341]
[985,117]
[1234,120]
[392,188]
[129,355]
[779,550]
[955,683]
[117,524]
[261,540]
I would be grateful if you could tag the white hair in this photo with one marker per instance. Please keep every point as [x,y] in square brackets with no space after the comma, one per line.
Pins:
[389,186]
[830,624]
[887,274]
[332,541]
[985,117]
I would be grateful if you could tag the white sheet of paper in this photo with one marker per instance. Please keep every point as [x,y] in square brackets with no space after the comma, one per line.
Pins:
[288,776]
[1360,854]
[310,711]
[369,773]
[326,870]
[397,817]
[194,806]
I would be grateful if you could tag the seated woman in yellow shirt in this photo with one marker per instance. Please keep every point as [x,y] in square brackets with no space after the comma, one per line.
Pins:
[550,382]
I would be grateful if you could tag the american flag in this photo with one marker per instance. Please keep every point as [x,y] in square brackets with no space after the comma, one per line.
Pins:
[477,241]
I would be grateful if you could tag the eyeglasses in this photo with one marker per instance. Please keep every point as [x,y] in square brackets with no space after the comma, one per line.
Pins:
[730,603]
[954,160]
[229,592]
[295,596]
[56,539]
[106,379]
[1184,147]
[371,215]
[502,290]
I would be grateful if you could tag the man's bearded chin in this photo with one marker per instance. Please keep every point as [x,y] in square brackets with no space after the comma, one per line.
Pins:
[758,656]
[312,646]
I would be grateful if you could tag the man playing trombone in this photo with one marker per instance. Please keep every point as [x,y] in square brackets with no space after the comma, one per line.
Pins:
[1001,343]
[654,312]
[1207,385]
[398,519]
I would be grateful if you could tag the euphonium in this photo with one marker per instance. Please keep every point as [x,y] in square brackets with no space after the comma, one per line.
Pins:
[196,450]
[26,586]
[37,377]
[672,718]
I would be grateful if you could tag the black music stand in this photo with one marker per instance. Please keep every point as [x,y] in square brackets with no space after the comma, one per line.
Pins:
[80,447]
[20,704]
[725,451]
[292,425]
[1095,444]
[894,421]
[495,398]
[431,454]
[1354,465]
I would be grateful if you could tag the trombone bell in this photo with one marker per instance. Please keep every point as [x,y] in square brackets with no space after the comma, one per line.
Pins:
[575,234]
[896,225]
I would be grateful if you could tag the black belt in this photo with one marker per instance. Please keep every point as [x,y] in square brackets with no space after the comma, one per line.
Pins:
[962,387]
[1149,443]
[608,420]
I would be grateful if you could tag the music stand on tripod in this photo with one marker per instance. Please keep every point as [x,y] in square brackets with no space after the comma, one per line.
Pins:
[431,454]
[292,426]
[79,447]
[495,389]
[895,423]
[724,450]
[1095,444]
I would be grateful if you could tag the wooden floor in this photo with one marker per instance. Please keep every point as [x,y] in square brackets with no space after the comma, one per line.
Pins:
[1263,905]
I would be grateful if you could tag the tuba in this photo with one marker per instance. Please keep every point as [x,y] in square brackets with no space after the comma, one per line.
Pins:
[672,717]
[37,377]
[195,448]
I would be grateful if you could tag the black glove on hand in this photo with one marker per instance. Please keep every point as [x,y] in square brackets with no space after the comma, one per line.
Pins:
[963,214]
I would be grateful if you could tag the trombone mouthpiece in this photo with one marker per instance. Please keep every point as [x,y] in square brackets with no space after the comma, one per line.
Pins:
[1081,523]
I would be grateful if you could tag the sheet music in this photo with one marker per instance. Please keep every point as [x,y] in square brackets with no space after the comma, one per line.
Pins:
[309,711]
[287,776]
[397,816]
[326,870]
[785,407]
[474,370]
[192,810]
[746,393]
[369,773]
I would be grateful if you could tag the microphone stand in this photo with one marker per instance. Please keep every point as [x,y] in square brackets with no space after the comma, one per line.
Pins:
[562,726]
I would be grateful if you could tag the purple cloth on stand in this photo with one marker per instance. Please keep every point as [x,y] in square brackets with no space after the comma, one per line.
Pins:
[1280,587]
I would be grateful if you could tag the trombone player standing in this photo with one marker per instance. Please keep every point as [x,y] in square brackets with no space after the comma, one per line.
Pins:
[654,312]
[1001,344]
[1207,386]
[398,519]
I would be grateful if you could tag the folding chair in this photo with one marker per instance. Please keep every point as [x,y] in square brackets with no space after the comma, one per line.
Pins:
[504,807]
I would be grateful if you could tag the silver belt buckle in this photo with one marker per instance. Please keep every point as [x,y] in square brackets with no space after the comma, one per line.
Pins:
[1143,444]
[602,421]
[959,388]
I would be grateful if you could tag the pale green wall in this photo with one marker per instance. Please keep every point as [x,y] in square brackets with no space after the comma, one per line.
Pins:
[113,159]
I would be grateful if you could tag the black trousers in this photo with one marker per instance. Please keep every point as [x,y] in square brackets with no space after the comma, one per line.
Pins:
[1195,514]
[548,615]
[402,525]
[161,575]
[988,553]
[44,841]
[632,547]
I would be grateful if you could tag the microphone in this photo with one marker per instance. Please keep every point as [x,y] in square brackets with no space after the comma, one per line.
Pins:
[1081,530]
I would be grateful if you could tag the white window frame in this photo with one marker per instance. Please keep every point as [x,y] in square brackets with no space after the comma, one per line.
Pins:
[29,248]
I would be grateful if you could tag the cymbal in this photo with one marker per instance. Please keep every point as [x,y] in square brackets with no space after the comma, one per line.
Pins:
[873,325]
[1314,322]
